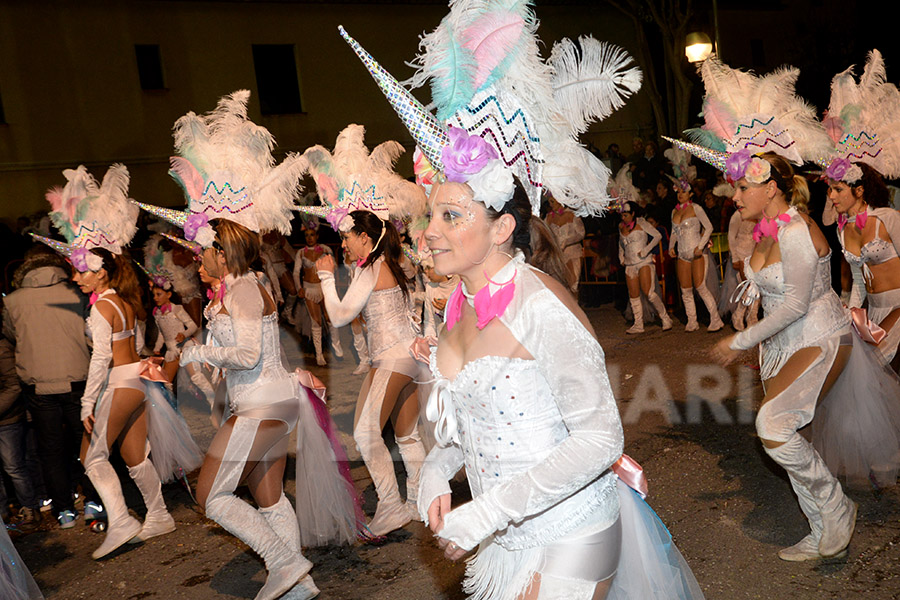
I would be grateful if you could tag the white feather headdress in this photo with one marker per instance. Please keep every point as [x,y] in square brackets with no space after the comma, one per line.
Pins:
[750,114]
[863,121]
[488,78]
[351,178]
[92,216]
[226,168]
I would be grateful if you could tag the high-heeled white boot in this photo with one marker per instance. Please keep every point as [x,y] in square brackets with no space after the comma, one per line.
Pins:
[687,296]
[317,343]
[637,310]
[121,526]
[831,514]
[412,450]
[336,341]
[283,521]
[157,521]
[715,321]
[737,316]
[246,523]
[362,350]
[391,512]
[660,307]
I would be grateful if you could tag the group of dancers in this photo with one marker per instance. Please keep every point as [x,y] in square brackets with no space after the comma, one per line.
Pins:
[519,393]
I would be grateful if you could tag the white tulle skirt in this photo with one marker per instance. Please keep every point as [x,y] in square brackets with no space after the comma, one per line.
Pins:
[649,565]
[16,583]
[856,428]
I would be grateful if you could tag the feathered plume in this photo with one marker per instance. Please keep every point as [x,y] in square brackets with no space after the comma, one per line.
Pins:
[863,119]
[589,85]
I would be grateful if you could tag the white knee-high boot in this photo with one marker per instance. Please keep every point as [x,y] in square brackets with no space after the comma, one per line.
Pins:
[317,343]
[157,521]
[336,341]
[362,350]
[283,520]
[412,450]
[198,378]
[831,515]
[737,316]
[121,526]
[660,307]
[715,321]
[637,308]
[687,296]
[391,512]
[240,519]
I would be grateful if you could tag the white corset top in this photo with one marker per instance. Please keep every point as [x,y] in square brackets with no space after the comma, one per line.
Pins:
[387,318]
[874,252]
[688,232]
[632,246]
[500,411]
[268,368]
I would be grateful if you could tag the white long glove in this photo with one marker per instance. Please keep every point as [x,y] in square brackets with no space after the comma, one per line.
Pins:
[798,262]
[653,234]
[343,310]
[244,303]
[101,356]
[587,406]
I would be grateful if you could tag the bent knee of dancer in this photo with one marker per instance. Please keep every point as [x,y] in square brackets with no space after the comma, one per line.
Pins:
[776,427]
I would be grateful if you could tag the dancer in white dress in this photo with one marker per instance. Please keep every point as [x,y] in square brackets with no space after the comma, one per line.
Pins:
[362,191]
[690,234]
[637,239]
[808,355]
[231,177]
[124,403]
[536,435]
[862,120]
[568,230]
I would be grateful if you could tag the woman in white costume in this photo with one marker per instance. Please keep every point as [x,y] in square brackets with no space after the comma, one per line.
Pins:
[124,403]
[231,176]
[808,354]
[568,230]
[690,234]
[868,228]
[637,239]
[537,434]
[361,191]
[306,278]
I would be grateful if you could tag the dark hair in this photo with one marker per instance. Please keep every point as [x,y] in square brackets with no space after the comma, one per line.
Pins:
[533,238]
[122,279]
[634,208]
[793,186]
[875,191]
[174,297]
[240,245]
[389,246]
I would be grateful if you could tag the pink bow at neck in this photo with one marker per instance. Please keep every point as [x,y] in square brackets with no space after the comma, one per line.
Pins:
[161,310]
[217,294]
[683,205]
[859,220]
[487,306]
[94,297]
[769,227]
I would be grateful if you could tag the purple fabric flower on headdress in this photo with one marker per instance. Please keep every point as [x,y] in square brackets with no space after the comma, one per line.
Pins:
[838,168]
[79,259]
[736,164]
[193,224]
[335,216]
[466,155]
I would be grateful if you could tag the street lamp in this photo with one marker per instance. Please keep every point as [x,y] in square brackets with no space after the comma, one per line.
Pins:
[698,47]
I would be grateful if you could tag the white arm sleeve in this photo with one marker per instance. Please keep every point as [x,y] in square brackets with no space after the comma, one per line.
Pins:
[585,401]
[342,311]
[654,234]
[160,338]
[706,227]
[244,304]
[439,467]
[190,327]
[101,356]
[798,262]
[621,249]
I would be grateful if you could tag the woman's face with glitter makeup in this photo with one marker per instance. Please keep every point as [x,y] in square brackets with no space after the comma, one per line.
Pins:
[844,197]
[459,231]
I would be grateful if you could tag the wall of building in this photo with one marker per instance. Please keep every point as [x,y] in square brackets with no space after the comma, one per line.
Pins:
[71,93]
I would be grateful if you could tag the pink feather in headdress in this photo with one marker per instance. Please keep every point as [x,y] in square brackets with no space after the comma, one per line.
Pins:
[490,38]
[720,119]
[188,175]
